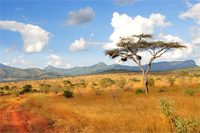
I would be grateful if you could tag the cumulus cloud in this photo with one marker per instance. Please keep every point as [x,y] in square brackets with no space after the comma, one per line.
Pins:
[193,12]
[54,60]
[124,2]
[78,45]
[82,44]
[8,50]
[34,37]
[126,26]
[80,17]
[19,60]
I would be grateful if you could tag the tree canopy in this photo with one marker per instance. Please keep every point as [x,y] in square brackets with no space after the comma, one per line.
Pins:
[128,48]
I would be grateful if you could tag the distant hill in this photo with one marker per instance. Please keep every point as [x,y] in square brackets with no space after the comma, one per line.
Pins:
[16,74]
[101,67]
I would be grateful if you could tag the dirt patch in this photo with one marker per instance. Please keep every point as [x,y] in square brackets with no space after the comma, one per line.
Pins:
[15,119]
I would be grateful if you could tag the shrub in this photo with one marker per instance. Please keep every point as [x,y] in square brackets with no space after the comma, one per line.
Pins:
[120,83]
[27,88]
[171,80]
[6,87]
[68,94]
[134,80]
[189,91]
[151,81]
[139,91]
[161,90]
[182,125]
[106,82]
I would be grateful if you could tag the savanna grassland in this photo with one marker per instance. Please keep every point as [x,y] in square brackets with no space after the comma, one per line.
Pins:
[107,103]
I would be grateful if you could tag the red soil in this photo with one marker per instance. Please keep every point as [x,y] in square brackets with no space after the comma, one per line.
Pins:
[22,121]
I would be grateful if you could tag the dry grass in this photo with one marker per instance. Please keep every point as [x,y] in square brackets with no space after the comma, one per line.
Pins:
[127,112]
[114,110]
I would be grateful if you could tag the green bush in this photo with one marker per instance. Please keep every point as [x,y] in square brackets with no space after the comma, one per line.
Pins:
[139,91]
[27,88]
[106,82]
[182,125]
[68,94]
[134,79]
[189,91]
[161,90]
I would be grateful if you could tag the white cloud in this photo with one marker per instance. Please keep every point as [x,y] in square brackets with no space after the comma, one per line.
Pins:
[54,60]
[80,17]
[195,33]
[78,45]
[126,26]
[68,66]
[11,49]
[82,44]
[6,63]
[19,60]
[193,12]
[34,37]
[124,2]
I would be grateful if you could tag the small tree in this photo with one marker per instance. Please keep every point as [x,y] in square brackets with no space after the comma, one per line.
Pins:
[56,88]
[129,48]
[27,88]
[45,88]
[6,87]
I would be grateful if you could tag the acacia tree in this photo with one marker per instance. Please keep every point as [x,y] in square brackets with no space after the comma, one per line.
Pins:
[128,48]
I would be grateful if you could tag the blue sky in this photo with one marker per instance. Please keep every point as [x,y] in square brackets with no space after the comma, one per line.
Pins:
[69,33]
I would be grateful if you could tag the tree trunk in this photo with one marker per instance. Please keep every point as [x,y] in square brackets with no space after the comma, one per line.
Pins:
[146,83]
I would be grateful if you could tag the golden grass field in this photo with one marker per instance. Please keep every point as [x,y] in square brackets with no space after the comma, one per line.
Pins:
[114,110]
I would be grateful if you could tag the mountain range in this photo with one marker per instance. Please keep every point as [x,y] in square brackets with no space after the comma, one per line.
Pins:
[100,67]
[8,73]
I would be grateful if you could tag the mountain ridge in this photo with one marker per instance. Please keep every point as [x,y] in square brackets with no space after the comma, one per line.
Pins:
[100,67]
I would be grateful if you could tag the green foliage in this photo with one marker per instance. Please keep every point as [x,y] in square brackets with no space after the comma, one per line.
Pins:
[27,88]
[68,94]
[45,88]
[189,91]
[67,82]
[161,90]
[184,73]
[6,87]
[134,79]
[197,75]
[166,108]
[139,91]
[171,80]
[151,81]
[106,82]
[158,79]
[120,83]
[182,125]
[82,83]
[1,88]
